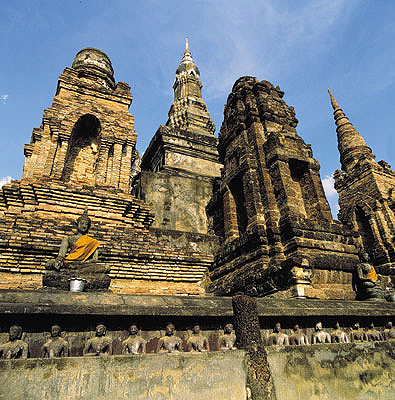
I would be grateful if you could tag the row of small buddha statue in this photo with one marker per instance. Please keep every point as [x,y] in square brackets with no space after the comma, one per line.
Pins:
[337,335]
[101,345]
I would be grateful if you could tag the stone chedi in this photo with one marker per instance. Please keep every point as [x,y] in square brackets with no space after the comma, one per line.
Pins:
[181,163]
[83,157]
[134,344]
[15,347]
[100,345]
[56,346]
[227,341]
[366,196]
[169,343]
[197,342]
[79,141]
[270,211]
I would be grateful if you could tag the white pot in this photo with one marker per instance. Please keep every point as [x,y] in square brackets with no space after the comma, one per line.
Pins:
[77,284]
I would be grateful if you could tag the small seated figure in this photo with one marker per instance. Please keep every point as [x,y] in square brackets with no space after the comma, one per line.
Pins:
[364,279]
[100,345]
[169,343]
[81,261]
[358,334]
[372,334]
[278,337]
[56,346]
[15,347]
[320,336]
[134,344]
[227,341]
[298,338]
[389,332]
[338,335]
[197,342]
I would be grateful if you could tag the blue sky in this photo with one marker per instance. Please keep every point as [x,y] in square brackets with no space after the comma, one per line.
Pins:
[305,47]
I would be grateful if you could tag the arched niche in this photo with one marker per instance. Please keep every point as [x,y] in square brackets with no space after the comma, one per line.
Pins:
[82,153]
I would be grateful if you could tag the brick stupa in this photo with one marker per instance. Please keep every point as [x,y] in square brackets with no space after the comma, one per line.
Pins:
[270,210]
[81,158]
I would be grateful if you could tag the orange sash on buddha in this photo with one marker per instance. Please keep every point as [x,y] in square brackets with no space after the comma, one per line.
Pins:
[372,274]
[83,248]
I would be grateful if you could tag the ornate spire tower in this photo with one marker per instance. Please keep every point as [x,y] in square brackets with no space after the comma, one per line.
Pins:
[181,161]
[188,111]
[366,193]
[352,146]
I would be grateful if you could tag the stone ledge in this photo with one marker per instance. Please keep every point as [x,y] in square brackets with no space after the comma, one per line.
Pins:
[68,303]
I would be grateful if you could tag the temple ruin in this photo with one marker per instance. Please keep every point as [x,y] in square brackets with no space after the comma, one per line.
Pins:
[222,252]
[82,157]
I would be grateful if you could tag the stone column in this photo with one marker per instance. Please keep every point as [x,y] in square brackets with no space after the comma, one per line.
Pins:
[248,338]
[59,162]
[126,161]
[230,222]
[101,169]
[44,146]
[116,169]
[379,248]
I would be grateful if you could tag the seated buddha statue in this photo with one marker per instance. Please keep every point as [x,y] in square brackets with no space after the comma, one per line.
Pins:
[15,347]
[77,258]
[364,280]
[278,337]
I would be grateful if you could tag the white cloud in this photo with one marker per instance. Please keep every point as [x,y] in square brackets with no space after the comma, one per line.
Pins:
[4,180]
[262,40]
[4,98]
[329,188]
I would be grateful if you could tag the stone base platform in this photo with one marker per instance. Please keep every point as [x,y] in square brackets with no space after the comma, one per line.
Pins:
[344,371]
[155,376]
[95,281]
[360,371]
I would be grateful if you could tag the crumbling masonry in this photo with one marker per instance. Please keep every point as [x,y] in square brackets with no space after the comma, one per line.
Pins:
[246,212]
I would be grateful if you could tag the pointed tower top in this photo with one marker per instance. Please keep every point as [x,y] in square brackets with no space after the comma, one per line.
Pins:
[187,64]
[189,112]
[333,101]
[187,54]
[351,145]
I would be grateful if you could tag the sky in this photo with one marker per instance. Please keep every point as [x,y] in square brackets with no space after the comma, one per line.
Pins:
[305,47]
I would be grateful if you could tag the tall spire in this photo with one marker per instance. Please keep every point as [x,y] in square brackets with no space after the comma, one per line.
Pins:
[333,101]
[351,145]
[188,111]
[187,54]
